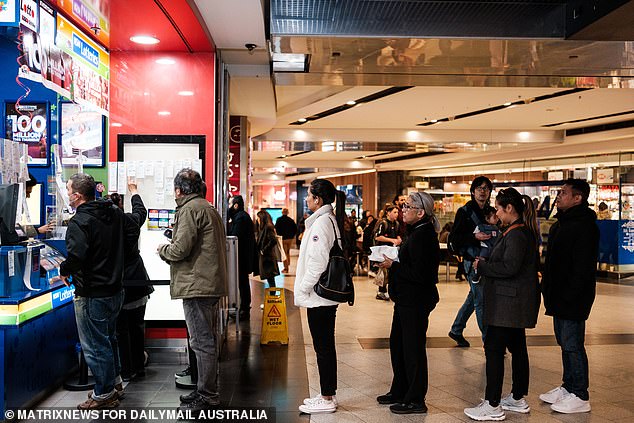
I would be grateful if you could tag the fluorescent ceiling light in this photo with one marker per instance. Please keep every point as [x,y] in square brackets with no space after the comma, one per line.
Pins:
[145,39]
[164,113]
[116,124]
[166,61]
[301,120]
[290,62]
[351,103]
[186,93]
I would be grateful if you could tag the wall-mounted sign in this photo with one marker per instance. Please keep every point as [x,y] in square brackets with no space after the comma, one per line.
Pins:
[9,12]
[28,14]
[605,176]
[422,185]
[89,15]
[556,176]
[235,148]
[27,123]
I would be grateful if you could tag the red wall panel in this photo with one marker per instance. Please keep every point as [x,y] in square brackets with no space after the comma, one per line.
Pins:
[140,88]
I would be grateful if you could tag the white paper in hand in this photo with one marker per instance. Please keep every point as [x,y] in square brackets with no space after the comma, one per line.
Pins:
[383,250]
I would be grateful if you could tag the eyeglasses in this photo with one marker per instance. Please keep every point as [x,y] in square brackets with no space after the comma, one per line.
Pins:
[483,188]
[410,207]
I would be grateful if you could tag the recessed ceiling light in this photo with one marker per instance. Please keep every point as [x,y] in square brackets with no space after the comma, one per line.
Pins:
[164,113]
[434,120]
[144,39]
[146,93]
[302,120]
[116,124]
[165,61]
[351,103]
[508,103]
[186,93]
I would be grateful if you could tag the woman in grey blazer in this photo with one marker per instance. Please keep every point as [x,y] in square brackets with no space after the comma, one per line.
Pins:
[511,304]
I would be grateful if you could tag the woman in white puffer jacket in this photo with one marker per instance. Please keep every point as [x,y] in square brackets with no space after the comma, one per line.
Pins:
[321,229]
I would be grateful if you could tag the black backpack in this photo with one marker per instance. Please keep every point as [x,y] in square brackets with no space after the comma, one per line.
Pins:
[460,251]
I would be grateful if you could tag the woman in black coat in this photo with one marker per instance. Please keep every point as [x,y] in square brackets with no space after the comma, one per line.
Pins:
[511,304]
[131,320]
[267,248]
[413,289]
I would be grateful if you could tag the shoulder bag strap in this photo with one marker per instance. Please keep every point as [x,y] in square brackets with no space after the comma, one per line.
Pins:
[514,226]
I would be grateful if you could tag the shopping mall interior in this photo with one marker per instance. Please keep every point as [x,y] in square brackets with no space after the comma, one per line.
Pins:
[383,98]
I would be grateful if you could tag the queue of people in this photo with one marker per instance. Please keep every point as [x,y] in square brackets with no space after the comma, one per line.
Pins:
[504,288]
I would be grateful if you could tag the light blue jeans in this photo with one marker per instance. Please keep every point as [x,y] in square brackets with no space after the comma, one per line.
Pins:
[96,324]
[473,302]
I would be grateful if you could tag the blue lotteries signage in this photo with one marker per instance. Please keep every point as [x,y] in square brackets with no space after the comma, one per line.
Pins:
[63,296]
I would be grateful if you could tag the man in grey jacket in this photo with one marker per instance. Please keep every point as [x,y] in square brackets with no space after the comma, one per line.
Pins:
[198,273]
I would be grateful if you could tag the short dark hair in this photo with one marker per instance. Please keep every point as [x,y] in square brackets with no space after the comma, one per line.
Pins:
[478,182]
[488,210]
[237,199]
[83,184]
[188,181]
[32,181]
[579,187]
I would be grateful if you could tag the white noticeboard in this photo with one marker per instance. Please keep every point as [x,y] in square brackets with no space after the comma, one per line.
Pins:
[150,162]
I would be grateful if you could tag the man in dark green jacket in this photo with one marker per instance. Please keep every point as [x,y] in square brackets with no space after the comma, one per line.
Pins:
[198,272]
[569,287]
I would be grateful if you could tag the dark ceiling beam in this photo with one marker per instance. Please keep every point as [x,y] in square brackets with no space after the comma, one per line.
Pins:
[606,20]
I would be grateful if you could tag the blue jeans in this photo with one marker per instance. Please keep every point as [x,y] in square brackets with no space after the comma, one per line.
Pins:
[473,302]
[96,324]
[570,336]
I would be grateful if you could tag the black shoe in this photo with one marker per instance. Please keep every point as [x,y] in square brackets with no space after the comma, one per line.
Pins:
[411,408]
[189,398]
[183,373]
[199,404]
[127,377]
[460,340]
[387,399]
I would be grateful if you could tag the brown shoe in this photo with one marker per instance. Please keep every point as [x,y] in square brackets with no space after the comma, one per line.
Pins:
[120,392]
[93,404]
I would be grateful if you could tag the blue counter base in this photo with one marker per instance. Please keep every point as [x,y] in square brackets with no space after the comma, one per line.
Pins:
[36,355]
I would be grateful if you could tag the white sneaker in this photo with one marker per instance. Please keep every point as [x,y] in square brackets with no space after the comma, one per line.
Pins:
[570,404]
[309,401]
[511,404]
[485,412]
[554,395]
[320,405]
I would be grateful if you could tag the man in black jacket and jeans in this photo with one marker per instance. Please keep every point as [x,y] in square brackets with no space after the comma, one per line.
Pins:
[460,238]
[241,225]
[286,227]
[95,263]
[569,288]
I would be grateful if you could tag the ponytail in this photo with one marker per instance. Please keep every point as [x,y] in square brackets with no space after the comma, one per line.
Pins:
[530,217]
[340,209]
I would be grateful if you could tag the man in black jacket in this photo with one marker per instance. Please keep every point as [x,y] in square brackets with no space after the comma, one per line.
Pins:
[286,228]
[241,226]
[569,288]
[95,263]
[460,238]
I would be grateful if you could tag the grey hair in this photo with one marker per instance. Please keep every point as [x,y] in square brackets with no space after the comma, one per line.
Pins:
[189,182]
[425,202]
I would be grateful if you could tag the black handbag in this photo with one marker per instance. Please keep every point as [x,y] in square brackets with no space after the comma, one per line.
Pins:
[335,283]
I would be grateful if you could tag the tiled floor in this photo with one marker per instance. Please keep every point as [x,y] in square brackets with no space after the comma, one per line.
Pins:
[282,376]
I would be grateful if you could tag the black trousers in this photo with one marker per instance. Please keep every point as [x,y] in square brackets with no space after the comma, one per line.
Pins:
[321,321]
[496,342]
[245,291]
[131,340]
[408,339]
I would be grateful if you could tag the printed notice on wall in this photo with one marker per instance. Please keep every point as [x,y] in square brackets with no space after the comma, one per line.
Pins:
[112,177]
[11,260]
[122,183]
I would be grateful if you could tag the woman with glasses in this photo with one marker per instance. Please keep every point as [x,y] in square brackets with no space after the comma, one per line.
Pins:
[511,304]
[413,280]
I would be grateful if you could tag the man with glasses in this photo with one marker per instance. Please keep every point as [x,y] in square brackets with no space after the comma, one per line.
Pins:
[461,238]
[569,288]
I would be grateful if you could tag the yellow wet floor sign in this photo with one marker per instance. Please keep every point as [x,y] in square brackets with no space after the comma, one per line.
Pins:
[274,327]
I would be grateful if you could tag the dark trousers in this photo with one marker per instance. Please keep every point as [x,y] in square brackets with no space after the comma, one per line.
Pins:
[245,291]
[408,339]
[570,336]
[131,340]
[321,321]
[498,339]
